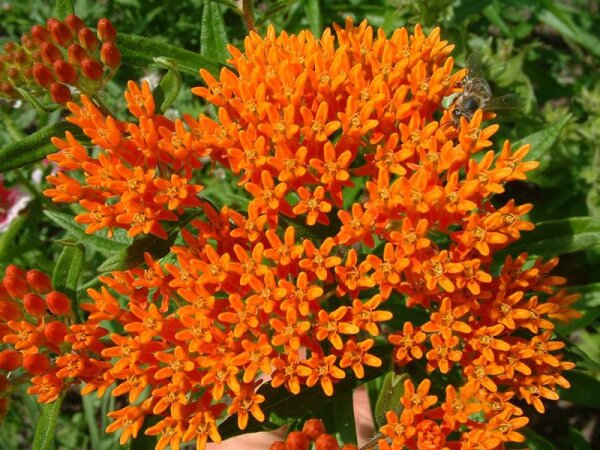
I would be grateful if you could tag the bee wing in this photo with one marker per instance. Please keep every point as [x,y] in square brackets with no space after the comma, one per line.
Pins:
[478,87]
[505,102]
[474,65]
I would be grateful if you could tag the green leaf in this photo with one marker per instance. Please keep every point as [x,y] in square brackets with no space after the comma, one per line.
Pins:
[557,237]
[535,441]
[46,425]
[8,237]
[34,147]
[313,15]
[390,394]
[63,8]
[65,277]
[542,140]
[168,88]
[343,415]
[575,354]
[562,22]
[213,35]
[143,51]
[584,390]
[307,403]
[133,255]
[100,244]
[577,440]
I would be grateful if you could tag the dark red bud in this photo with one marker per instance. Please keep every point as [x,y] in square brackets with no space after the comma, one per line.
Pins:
[61,34]
[50,53]
[74,23]
[7,89]
[13,73]
[106,30]
[28,42]
[65,72]
[10,47]
[76,54]
[92,69]
[21,58]
[40,34]
[39,281]
[60,93]
[87,39]
[110,55]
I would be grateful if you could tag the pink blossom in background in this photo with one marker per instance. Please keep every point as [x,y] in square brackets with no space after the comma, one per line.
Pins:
[12,202]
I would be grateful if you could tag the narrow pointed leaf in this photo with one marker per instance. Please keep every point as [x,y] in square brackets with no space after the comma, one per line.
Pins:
[143,51]
[100,244]
[44,431]
[65,277]
[541,141]
[390,394]
[584,390]
[557,237]
[34,147]
[213,35]
[343,415]
[167,90]
[534,441]
[313,14]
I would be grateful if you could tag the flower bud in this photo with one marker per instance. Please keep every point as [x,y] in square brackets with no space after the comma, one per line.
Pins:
[13,73]
[36,363]
[314,428]
[110,55]
[61,34]
[74,23]
[297,440]
[15,285]
[34,305]
[10,360]
[106,30]
[4,384]
[58,303]
[87,39]
[8,90]
[9,310]
[43,75]
[55,332]
[4,295]
[28,42]
[65,72]
[92,69]
[50,53]
[15,271]
[39,281]
[348,447]
[60,93]
[278,445]
[326,442]
[28,74]
[76,54]
[40,34]
[10,47]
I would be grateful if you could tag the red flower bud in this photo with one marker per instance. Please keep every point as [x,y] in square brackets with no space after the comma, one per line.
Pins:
[87,39]
[58,303]
[297,440]
[74,23]
[10,360]
[4,384]
[110,55]
[326,442]
[4,295]
[34,304]
[39,281]
[106,30]
[28,42]
[40,34]
[278,445]
[92,69]
[10,47]
[314,428]
[349,447]
[50,53]
[43,75]
[13,73]
[65,72]
[55,332]
[21,58]
[61,34]
[9,310]
[60,93]
[36,363]
[76,54]
[15,285]
[7,89]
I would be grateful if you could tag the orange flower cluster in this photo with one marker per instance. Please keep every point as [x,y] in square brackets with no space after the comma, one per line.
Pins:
[313,431]
[142,174]
[363,192]
[60,55]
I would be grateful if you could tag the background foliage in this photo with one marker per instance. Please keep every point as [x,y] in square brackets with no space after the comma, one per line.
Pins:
[546,51]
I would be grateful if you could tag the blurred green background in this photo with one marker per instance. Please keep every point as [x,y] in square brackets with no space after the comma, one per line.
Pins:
[548,52]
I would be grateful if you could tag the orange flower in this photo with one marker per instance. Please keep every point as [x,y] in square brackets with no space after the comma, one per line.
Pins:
[246,402]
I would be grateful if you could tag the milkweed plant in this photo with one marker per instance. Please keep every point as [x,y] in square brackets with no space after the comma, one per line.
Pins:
[370,241]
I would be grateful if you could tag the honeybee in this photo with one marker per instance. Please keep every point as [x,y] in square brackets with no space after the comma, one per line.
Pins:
[477,94]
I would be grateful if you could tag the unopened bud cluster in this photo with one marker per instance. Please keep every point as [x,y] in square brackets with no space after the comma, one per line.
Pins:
[57,57]
[32,326]
[313,431]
